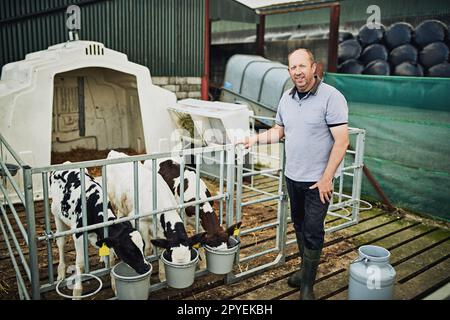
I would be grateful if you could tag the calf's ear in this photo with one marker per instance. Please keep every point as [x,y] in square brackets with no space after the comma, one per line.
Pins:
[110,242]
[199,238]
[234,229]
[162,243]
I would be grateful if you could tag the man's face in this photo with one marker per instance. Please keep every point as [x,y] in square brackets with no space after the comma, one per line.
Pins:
[302,70]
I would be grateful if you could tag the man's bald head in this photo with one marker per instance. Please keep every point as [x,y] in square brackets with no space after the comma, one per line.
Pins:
[304,50]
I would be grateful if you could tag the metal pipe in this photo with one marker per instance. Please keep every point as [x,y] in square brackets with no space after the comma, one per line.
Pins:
[136,192]
[243,204]
[262,227]
[197,191]
[123,219]
[31,228]
[248,174]
[260,30]
[181,195]
[290,8]
[105,208]
[154,201]
[93,163]
[256,255]
[12,152]
[221,185]
[48,228]
[333,37]
[207,44]
[84,220]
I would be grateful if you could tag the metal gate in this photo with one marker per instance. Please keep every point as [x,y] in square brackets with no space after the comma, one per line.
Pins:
[31,248]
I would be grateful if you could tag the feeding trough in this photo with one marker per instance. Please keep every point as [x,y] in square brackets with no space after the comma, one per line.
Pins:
[12,168]
[220,261]
[180,276]
[71,281]
[129,284]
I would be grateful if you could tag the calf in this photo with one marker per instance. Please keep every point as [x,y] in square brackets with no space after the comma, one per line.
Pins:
[216,236]
[171,233]
[123,239]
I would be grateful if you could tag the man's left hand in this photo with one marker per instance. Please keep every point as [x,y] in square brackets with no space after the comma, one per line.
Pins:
[325,189]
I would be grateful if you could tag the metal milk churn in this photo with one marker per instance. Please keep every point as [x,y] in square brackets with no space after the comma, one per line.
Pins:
[371,277]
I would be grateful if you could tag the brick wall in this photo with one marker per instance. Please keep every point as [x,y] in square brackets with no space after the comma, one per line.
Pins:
[183,87]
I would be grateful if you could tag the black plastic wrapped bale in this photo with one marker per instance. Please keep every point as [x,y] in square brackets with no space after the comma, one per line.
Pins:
[344,35]
[430,31]
[409,69]
[433,54]
[378,67]
[439,70]
[368,36]
[406,52]
[373,52]
[351,66]
[398,34]
[349,49]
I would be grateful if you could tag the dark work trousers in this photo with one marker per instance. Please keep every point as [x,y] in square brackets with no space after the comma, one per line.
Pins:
[307,212]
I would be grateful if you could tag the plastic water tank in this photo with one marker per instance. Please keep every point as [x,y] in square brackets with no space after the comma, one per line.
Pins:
[371,276]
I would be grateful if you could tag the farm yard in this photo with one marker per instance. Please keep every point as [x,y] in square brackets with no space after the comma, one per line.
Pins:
[152,150]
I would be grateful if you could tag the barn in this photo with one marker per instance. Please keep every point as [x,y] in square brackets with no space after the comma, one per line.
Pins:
[129,77]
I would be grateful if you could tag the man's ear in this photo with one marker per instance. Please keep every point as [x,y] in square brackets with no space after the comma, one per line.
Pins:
[199,238]
[162,243]
[110,242]
[234,228]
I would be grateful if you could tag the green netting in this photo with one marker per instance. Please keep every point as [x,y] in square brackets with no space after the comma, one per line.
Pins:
[407,122]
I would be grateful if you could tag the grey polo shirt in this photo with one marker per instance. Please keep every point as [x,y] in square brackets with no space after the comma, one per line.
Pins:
[307,123]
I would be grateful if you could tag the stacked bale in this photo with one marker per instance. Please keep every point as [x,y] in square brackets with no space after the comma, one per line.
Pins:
[400,50]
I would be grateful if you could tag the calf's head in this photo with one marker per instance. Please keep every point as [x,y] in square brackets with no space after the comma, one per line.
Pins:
[218,238]
[178,245]
[128,245]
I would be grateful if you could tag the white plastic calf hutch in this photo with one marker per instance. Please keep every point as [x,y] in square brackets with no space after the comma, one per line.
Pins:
[80,94]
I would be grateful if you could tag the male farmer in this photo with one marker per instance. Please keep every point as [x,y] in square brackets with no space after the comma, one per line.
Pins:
[313,118]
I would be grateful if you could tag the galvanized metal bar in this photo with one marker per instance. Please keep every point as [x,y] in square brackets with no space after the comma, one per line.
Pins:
[31,229]
[105,208]
[263,155]
[84,220]
[16,157]
[239,180]
[348,174]
[136,192]
[48,228]
[256,190]
[154,201]
[93,163]
[256,270]
[341,181]
[182,211]
[259,200]
[230,186]
[16,243]
[15,215]
[222,157]
[261,227]
[120,220]
[281,212]
[197,191]
[20,281]
[357,178]
[256,255]
[249,174]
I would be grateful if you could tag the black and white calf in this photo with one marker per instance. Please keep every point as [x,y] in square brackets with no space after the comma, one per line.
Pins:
[123,239]
[216,236]
[171,231]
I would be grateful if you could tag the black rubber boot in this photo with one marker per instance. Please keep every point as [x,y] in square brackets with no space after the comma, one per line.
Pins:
[295,279]
[311,259]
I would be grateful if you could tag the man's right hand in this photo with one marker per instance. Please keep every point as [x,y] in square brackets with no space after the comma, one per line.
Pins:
[248,141]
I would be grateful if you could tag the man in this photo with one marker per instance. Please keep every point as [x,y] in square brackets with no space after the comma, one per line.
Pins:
[313,118]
